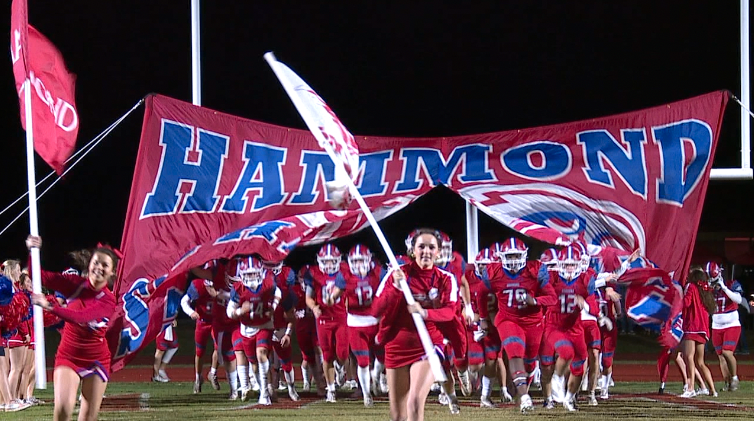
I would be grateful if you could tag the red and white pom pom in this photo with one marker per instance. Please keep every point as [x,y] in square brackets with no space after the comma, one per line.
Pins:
[338,195]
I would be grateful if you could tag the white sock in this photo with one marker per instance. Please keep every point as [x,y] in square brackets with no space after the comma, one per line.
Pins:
[735,378]
[607,381]
[331,387]
[568,396]
[305,373]
[233,380]
[169,355]
[213,371]
[162,373]
[243,376]
[486,383]
[378,369]
[264,368]
[198,377]
[662,385]
[290,377]
[365,380]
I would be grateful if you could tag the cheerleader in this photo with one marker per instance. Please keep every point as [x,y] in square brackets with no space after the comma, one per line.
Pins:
[698,304]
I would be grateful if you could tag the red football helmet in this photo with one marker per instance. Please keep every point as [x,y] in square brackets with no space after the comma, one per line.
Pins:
[570,265]
[549,258]
[329,259]
[446,250]
[497,249]
[714,271]
[410,242]
[246,269]
[483,258]
[360,260]
[274,267]
[513,254]
[586,259]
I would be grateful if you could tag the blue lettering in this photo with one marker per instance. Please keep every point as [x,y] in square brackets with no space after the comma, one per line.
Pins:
[185,161]
[373,167]
[673,187]
[262,172]
[318,168]
[555,160]
[600,148]
[267,230]
[438,170]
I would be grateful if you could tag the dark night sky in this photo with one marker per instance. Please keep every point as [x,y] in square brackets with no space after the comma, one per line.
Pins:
[387,68]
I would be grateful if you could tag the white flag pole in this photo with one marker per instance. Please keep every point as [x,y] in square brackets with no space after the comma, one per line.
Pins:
[36,275]
[421,328]
[196,54]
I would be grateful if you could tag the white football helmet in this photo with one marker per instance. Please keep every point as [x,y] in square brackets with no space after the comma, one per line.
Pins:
[249,270]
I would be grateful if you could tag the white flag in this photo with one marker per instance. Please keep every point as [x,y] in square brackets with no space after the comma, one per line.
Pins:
[325,126]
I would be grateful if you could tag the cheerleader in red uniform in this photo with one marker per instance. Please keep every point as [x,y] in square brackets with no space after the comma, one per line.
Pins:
[83,356]
[698,304]
[13,307]
[436,292]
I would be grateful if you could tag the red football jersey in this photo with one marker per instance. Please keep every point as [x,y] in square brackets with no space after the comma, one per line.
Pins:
[359,292]
[220,320]
[201,301]
[723,303]
[322,286]
[483,301]
[510,288]
[260,300]
[566,313]
[283,280]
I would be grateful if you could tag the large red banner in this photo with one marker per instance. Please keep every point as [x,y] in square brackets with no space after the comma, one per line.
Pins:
[209,185]
[55,121]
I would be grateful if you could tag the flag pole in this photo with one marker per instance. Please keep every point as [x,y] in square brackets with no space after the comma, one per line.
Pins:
[421,328]
[196,54]
[36,275]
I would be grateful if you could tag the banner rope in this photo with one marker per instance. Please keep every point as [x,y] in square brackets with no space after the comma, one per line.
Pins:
[742,105]
[83,152]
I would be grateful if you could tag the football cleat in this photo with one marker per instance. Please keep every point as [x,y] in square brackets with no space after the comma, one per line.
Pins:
[213,381]
[368,403]
[568,405]
[455,409]
[526,404]
[198,386]
[330,397]
[485,402]
[733,385]
[592,399]
[549,403]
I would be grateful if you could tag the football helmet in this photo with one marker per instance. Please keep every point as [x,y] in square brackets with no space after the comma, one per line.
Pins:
[329,258]
[410,242]
[714,271]
[513,254]
[360,260]
[247,269]
[446,250]
[586,259]
[483,258]
[274,267]
[570,265]
[549,258]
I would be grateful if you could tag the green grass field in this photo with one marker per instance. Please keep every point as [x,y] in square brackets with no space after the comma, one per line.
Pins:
[175,401]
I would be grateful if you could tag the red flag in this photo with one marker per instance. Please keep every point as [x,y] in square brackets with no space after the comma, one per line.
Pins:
[55,120]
